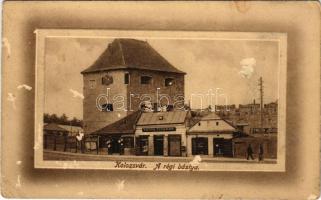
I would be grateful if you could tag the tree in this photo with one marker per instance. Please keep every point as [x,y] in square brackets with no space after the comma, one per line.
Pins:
[46,118]
[63,119]
[54,118]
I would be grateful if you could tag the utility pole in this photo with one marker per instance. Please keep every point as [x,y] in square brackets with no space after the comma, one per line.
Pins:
[261,103]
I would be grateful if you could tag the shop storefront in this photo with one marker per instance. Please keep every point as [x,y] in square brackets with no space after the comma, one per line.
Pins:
[161,134]
[211,136]
[118,138]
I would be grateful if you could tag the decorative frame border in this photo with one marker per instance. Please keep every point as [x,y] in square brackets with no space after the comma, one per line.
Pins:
[42,34]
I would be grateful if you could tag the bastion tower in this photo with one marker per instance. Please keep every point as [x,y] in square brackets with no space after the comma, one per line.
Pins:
[128,73]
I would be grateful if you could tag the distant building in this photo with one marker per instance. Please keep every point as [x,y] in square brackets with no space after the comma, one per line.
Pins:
[51,128]
[72,130]
[129,68]
[210,136]
[247,117]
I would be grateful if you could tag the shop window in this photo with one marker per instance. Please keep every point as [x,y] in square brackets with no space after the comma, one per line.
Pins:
[92,84]
[169,82]
[200,146]
[145,80]
[126,78]
[108,107]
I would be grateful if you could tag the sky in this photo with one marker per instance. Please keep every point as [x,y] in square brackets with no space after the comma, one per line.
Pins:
[234,66]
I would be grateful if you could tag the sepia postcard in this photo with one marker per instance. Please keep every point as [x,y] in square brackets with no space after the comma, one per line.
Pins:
[160,100]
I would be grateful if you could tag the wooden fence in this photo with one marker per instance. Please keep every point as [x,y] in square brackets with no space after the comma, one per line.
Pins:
[69,143]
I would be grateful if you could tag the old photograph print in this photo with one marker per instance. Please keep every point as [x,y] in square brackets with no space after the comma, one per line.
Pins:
[161,100]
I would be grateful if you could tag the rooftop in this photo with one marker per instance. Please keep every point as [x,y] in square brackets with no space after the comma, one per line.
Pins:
[211,123]
[125,125]
[158,118]
[53,127]
[131,54]
[71,128]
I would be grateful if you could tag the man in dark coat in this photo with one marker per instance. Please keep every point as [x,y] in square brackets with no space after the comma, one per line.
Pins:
[249,152]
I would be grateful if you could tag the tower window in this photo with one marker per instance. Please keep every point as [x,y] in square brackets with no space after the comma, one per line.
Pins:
[126,78]
[169,82]
[145,80]
[170,108]
[92,84]
[108,107]
[107,80]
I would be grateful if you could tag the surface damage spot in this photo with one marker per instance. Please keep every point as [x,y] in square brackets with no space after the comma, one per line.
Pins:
[18,184]
[76,94]
[120,185]
[24,86]
[6,44]
[11,97]
[196,161]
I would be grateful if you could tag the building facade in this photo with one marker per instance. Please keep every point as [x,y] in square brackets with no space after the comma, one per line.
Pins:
[210,136]
[128,74]
[161,133]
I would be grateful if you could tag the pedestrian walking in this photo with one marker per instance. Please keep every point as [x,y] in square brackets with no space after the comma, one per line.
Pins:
[261,152]
[249,152]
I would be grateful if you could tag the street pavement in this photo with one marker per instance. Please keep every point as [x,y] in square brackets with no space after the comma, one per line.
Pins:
[57,155]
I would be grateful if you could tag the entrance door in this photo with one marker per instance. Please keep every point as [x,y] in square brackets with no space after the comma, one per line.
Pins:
[218,146]
[115,145]
[158,145]
[222,147]
[174,145]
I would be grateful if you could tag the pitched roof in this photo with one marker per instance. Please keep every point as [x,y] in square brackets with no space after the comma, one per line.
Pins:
[158,118]
[211,123]
[71,128]
[131,54]
[125,125]
[53,127]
